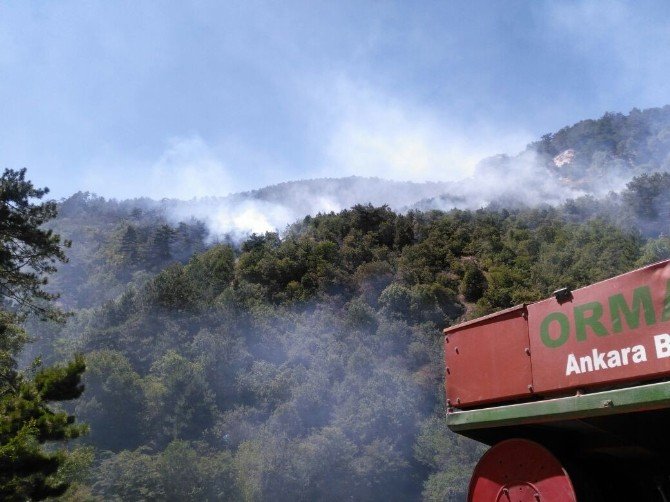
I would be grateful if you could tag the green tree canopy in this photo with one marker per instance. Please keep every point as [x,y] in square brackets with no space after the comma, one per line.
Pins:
[28,253]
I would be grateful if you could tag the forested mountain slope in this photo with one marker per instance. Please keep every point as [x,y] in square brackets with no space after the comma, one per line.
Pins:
[310,367]
[613,146]
[307,364]
[591,157]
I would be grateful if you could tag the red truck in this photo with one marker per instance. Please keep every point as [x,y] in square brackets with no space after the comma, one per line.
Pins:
[572,392]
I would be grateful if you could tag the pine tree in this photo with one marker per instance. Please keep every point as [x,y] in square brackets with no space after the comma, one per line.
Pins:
[474,284]
[128,246]
[28,252]
[159,247]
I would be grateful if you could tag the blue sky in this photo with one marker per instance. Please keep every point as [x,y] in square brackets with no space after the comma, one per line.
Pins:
[184,99]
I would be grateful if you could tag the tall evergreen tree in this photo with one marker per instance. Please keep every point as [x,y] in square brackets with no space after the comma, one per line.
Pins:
[128,246]
[159,247]
[28,252]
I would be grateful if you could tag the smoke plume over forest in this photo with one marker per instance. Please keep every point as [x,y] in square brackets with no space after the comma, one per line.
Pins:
[250,348]
[232,233]
[589,158]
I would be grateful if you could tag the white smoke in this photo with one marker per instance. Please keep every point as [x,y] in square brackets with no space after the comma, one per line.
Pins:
[523,180]
[188,168]
[274,208]
[375,133]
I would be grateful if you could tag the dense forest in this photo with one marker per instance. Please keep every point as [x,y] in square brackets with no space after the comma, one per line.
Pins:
[614,145]
[306,364]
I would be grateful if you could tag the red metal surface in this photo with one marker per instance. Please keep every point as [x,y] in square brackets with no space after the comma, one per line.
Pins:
[488,358]
[518,470]
[606,333]
[611,332]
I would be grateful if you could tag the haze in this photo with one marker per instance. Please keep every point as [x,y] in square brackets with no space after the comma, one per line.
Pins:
[191,99]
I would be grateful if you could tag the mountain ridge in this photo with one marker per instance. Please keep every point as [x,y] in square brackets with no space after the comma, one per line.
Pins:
[590,157]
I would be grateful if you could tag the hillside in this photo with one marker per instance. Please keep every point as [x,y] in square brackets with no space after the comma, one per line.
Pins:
[305,364]
[591,157]
[287,366]
[611,149]
[274,207]
[278,368]
[614,146]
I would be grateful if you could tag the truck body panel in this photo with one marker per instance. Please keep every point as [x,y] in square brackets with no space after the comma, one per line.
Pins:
[487,359]
[609,334]
[572,392]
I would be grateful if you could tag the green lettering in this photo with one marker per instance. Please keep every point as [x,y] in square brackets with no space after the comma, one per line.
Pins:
[592,321]
[666,303]
[618,305]
[563,322]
